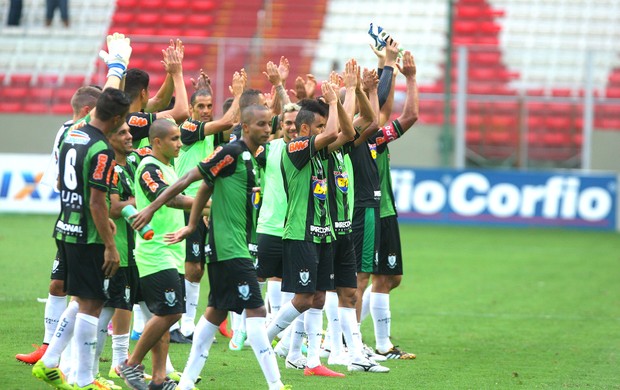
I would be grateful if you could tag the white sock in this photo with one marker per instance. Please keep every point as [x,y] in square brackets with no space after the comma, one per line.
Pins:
[138,319]
[334,331]
[284,318]
[285,297]
[86,343]
[66,360]
[54,307]
[192,293]
[348,323]
[257,334]
[62,335]
[263,288]
[314,330]
[175,326]
[146,313]
[120,348]
[296,339]
[380,311]
[102,335]
[275,295]
[365,303]
[203,338]
[169,366]
[238,321]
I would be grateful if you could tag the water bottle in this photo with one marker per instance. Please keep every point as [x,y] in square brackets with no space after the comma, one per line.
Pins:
[147,231]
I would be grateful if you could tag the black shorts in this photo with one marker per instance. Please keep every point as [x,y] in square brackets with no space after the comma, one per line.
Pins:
[269,259]
[307,267]
[83,274]
[233,285]
[366,236]
[390,254]
[345,269]
[58,268]
[164,292]
[124,288]
[195,243]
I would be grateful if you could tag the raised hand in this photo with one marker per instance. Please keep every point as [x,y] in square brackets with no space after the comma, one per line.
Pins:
[202,81]
[351,71]
[173,60]
[273,75]
[408,68]
[283,69]
[329,95]
[370,80]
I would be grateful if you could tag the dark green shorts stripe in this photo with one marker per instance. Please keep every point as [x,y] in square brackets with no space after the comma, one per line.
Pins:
[368,248]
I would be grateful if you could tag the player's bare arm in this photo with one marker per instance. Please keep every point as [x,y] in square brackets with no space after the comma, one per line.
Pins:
[99,211]
[330,134]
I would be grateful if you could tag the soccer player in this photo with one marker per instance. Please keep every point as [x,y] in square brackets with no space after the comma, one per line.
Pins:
[160,265]
[82,101]
[230,175]
[388,269]
[199,134]
[137,84]
[307,238]
[84,234]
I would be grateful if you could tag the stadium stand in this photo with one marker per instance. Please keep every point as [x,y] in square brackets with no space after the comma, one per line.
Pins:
[526,60]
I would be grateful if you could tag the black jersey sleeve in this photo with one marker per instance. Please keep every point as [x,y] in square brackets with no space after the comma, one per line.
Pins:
[192,131]
[152,181]
[300,151]
[386,134]
[139,124]
[261,155]
[221,163]
[101,170]
[114,183]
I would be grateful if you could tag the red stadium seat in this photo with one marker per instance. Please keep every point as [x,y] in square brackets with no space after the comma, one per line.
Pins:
[202,6]
[21,79]
[11,107]
[14,92]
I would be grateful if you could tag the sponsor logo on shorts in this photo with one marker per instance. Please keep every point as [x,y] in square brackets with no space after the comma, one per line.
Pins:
[195,249]
[127,293]
[244,291]
[253,248]
[55,265]
[377,195]
[170,297]
[304,277]
[376,258]
[208,250]
[392,261]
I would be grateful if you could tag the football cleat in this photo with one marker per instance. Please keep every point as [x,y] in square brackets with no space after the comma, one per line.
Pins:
[132,375]
[280,350]
[223,328]
[367,366]
[341,359]
[177,337]
[96,385]
[370,354]
[176,377]
[135,335]
[105,382]
[237,341]
[321,371]
[395,353]
[34,356]
[52,376]
[298,364]
[168,384]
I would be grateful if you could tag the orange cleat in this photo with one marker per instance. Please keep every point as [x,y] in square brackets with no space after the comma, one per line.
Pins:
[224,329]
[32,357]
[321,371]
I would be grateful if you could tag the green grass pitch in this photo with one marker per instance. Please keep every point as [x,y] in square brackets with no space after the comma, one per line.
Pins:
[481,307]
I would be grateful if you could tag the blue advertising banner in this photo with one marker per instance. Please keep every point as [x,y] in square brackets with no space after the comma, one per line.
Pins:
[511,198]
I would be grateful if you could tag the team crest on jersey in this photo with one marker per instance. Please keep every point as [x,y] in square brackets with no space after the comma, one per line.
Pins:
[304,277]
[373,150]
[260,149]
[246,156]
[319,188]
[77,137]
[232,138]
[195,249]
[171,297]
[118,168]
[127,293]
[244,291]
[257,199]
[131,158]
[392,261]
[342,181]
[55,265]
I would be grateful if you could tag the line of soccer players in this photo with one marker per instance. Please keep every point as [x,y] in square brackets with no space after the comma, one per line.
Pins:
[311,211]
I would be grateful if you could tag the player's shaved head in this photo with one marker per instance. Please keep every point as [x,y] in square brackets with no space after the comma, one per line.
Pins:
[160,128]
[249,112]
[135,81]
[84,97]
[250,97]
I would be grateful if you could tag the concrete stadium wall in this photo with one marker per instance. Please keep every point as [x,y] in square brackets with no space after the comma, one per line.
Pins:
[418,148]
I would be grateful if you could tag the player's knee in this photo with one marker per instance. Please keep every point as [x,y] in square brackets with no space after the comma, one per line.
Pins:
[57,288]
[395,281]
[258,312]
[193,272]
[303,302]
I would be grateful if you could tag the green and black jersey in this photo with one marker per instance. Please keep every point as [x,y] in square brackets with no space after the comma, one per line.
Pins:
[232,172]
[366,175]
[196,147]
[381,139]
[338,189]
[123,186]
[139,126]
[304,170]
[151,179]
[85,162]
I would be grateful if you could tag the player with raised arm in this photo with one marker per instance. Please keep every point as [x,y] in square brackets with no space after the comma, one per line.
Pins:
[307,238]
[199,135]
